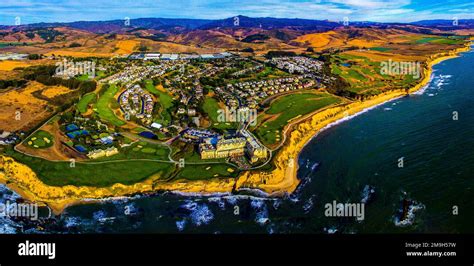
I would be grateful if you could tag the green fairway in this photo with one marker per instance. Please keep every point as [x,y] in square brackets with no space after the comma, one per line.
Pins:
[98,175]
[165,103]
[83,77]
[269,132]
[380,49]
[40,140]
[439,40]
[211,108]
[140,150]
[103,106]
[85,101]
[365,76]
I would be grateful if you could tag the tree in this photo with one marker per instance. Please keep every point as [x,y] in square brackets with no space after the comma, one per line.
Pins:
[142,48]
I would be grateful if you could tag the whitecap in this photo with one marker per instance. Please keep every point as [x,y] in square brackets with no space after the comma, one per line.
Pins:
[201,215]
[180,225]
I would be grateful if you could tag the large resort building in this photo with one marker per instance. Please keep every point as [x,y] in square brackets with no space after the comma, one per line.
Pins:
[224,148]
[234,147]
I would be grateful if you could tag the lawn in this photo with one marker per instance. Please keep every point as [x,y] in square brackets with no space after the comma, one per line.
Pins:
[381,49]
[365,76]
[101,175]
[103,106]
[269,132]
[40,140]
[438,40]
[165,103]
[211,108]
[83,77]
[85,101]
[140,150]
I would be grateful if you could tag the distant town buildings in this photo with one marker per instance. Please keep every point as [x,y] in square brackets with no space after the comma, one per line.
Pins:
[165,57]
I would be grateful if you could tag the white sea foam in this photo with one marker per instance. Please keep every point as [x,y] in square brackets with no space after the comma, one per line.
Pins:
[422,90]
[410,217]
[180,225]
[308,205]
[219,201]
[201,215]
[261,216]
[72,221]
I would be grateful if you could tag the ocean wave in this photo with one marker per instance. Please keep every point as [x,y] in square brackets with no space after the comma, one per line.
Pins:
[189,205]
[201,215]
[180,225]
[194,194]
[406,214]
[219,201]
[422,90]
[367,194]
[308,205]
[276,204]
[232,200]
[7,226]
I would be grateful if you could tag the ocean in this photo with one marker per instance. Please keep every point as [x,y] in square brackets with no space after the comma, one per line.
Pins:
[414,153]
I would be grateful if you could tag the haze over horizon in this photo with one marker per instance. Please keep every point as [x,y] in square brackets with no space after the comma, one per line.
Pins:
[35,11]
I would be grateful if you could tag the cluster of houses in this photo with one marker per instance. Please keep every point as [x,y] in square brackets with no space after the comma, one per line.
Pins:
[134,73]
[137,102]
[13,56]
[248,70]
[297,64]
[7,138]
[243,143]
[251,93]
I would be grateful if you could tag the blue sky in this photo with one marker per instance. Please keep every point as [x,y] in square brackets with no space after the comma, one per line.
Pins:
[31,11]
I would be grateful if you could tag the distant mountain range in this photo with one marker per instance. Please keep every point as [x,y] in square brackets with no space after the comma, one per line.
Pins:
[180,25]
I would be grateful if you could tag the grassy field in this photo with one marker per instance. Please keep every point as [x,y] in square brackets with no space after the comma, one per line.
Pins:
[438,40]
[103,106]
[364,75]
[165,102]
[99,175]
[381,49]
[40,140]
[140,150]
[83,77]
[211,108]
[277,117]
[85,101]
